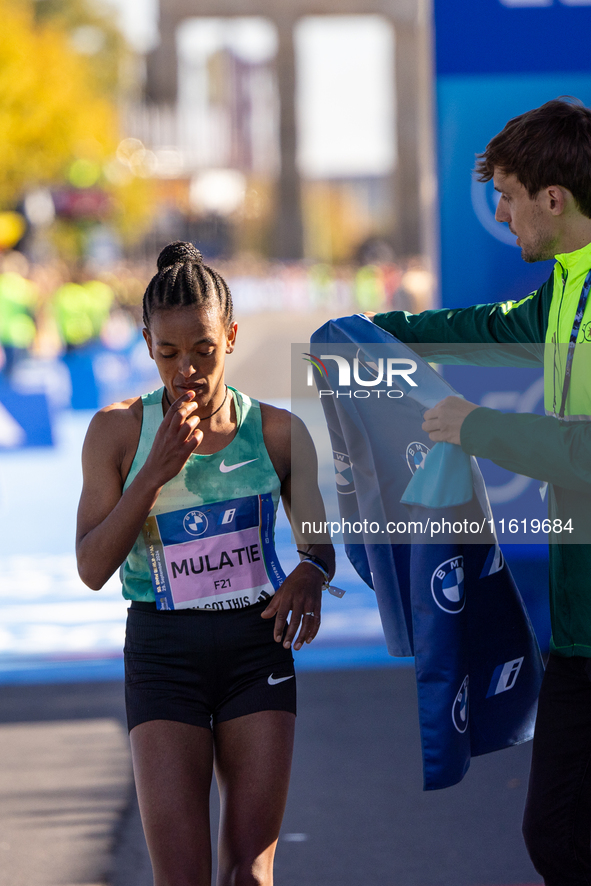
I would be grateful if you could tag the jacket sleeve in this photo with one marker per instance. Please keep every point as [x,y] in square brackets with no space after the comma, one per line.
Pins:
[538,446]
[499,323]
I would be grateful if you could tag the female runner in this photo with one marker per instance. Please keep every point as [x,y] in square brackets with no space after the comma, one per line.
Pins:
[181,487]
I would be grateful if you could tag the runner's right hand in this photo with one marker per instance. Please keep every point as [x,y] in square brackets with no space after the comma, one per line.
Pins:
[176,439]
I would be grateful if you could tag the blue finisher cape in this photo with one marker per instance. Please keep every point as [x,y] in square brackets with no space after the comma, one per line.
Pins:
[452,605]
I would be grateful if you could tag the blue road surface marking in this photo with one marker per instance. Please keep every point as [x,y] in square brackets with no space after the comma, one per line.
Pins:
[17,671]
[327,658]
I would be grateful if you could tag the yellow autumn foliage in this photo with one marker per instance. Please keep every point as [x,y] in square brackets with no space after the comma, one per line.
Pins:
[53,111]
[49,112]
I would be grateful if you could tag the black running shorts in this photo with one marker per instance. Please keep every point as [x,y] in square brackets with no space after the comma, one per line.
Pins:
[202,667]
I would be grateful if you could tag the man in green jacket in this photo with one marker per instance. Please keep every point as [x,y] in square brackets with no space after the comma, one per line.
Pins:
[541,165]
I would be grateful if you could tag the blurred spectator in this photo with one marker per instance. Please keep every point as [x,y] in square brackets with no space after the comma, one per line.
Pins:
[81,310]
[48,309]
[369,288]
[18,300]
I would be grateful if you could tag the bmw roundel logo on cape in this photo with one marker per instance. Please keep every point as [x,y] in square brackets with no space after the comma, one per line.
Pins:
[447,585]
[461,707]
[343,473]
[416,453]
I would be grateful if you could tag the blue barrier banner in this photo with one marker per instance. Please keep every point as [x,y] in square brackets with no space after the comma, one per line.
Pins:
[88,377]
[511,36]
[25,419]
[102,375]
[495,59]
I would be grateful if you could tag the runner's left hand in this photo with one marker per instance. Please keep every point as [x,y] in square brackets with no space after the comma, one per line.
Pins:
[300,593]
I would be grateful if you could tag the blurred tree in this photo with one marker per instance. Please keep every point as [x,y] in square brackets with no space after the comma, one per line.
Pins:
[92,33]
[60,67]
[50,112]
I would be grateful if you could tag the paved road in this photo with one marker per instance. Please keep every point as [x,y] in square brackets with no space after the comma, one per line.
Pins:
[63,788]
[356,813]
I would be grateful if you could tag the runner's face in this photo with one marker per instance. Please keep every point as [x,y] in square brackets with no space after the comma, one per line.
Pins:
[526,218]
[189,346]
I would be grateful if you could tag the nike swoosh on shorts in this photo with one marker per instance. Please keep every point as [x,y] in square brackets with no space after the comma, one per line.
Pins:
[273,680]
[224,468]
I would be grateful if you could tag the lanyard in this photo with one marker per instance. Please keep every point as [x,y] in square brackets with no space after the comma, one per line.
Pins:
[573,340]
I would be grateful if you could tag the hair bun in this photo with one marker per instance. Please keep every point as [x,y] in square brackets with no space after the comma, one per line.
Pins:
[178,253]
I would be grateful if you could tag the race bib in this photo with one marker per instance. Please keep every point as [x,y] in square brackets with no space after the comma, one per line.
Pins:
[218,556]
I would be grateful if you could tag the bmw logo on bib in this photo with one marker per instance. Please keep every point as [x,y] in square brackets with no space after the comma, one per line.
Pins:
[460,709]
[195,523]
[343,473]
[447,585]
[416,453]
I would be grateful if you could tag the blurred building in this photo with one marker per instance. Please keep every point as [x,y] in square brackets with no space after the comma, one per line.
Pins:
[222,119]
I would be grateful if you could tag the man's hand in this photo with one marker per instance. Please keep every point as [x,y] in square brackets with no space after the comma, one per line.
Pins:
[301,592]
[444,421]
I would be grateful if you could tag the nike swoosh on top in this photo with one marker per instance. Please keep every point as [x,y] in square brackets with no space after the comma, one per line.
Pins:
[273,680]
[224,468]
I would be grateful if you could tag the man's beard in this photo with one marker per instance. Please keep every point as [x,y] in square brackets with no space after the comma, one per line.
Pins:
[542,249]
[543,243]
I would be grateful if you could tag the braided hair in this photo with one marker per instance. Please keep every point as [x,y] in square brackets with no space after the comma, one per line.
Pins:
[183,280]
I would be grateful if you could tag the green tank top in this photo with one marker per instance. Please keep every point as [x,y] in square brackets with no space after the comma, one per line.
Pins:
[208,542]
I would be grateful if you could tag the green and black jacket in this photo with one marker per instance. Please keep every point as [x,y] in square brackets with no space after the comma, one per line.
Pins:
[543,447]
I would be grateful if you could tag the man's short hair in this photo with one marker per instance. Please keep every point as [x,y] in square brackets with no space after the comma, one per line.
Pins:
[550,145]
